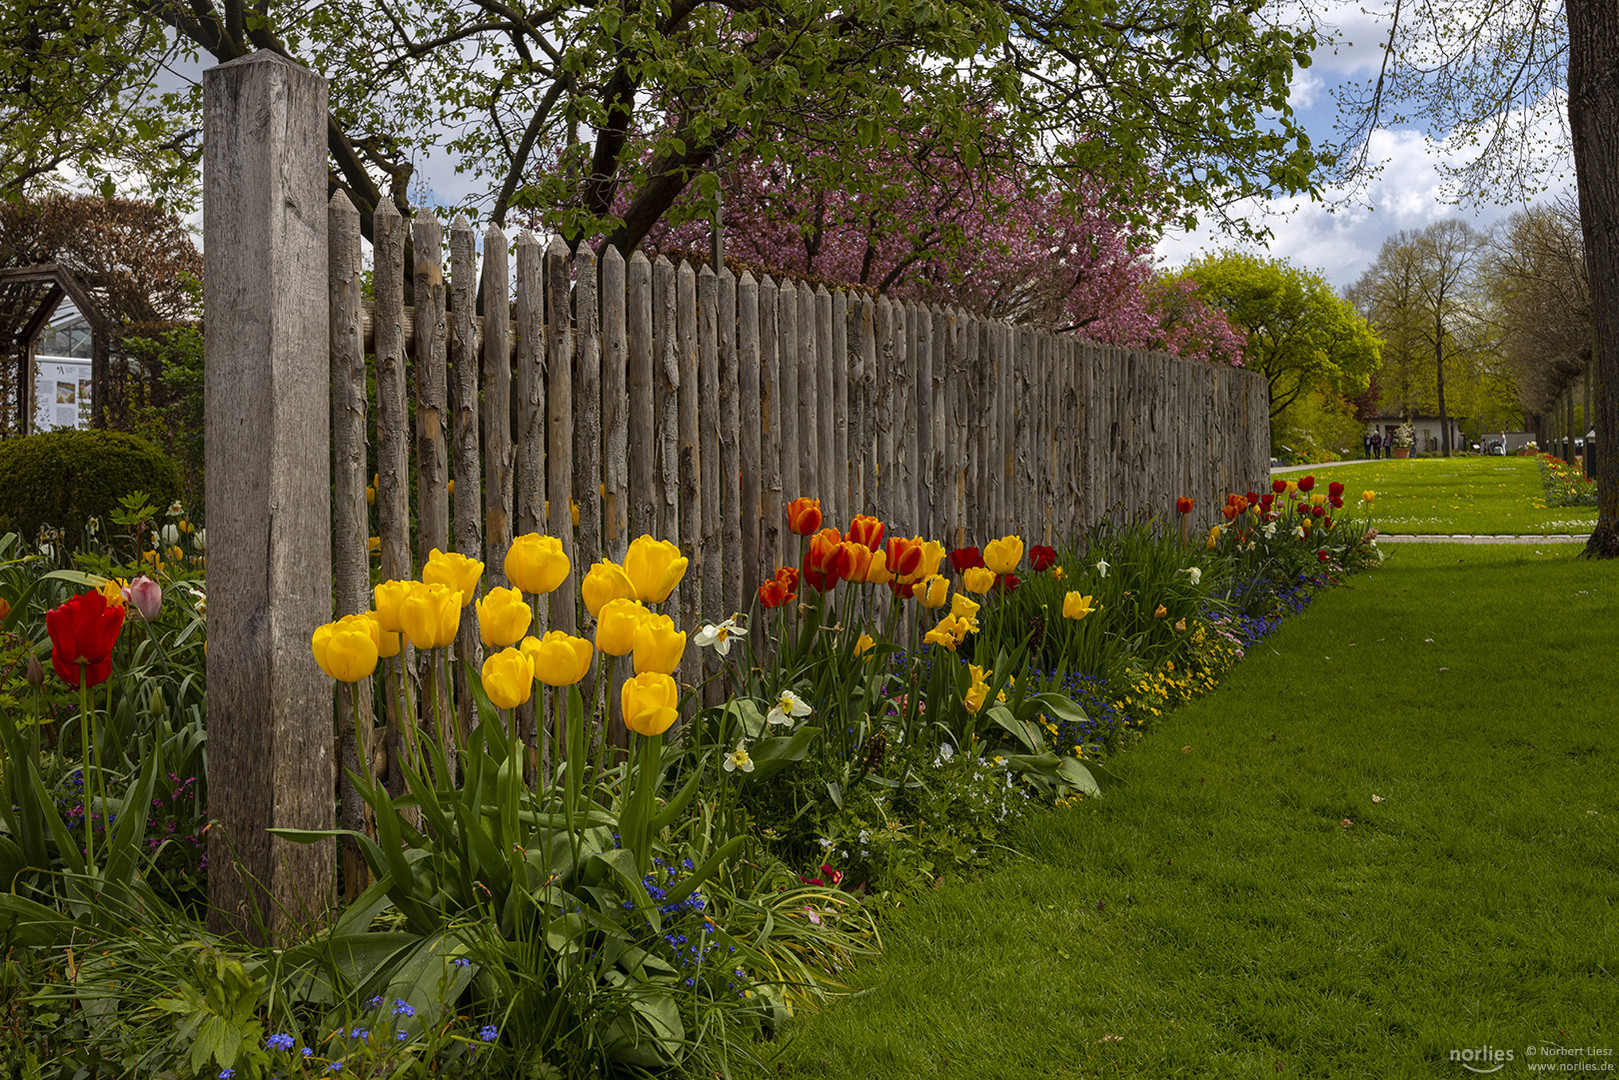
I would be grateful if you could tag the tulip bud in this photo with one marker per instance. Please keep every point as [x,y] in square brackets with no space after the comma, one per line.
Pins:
[508,678]
[866,531]
[605,581]
[979,579]
[560,659]
[536,564]
[932,591]
[658,645]
[36,672]
[804,516]
[454,571]
[503,617]
[431,615]
[655,567]
[1003,555]
[616,624]
[650,701]
[146,595]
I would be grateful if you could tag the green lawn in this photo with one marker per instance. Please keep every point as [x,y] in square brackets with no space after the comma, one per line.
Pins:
[1460,495]
[1393,832]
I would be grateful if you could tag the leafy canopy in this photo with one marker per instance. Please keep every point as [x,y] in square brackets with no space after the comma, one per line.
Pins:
[1301,333]
[568,106]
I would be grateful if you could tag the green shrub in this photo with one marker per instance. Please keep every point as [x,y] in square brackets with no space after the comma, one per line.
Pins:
[63,478]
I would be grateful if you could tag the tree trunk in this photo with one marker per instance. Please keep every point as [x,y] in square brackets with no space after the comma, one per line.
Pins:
[1439,377]
[1593,110]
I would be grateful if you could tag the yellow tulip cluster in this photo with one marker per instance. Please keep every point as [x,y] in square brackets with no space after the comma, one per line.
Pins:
[978,691]
[428,613]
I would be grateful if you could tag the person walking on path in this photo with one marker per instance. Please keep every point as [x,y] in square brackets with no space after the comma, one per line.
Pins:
[1377,445]
[1366,444]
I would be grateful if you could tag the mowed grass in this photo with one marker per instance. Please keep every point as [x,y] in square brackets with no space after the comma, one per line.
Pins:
[1472,495]
[1392,833]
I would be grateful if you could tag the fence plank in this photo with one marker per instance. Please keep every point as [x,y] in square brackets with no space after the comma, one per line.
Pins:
[466,463]
[350,528]
[708,470]
[884,471]
[559,350]
[529,498]
[689,449]
[432,391]
[792,444]
[497,407]
[866,322]
[615,408]
[667,343]
[642,379]
[734,517]
[750,432]
[827,413]
[587,409]
[809,393]
[921,334]
[842,360]
[772,505]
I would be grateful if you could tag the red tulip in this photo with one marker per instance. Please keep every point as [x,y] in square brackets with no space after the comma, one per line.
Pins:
[773,594]
[84,630]
[1008,582]
[965,558]
[820,562]
[1318,511]
[904,556]
[1278,486]
[1183,505]
[804,516]
[1307,483]
[788,576]
[1253,498]
[1335,490]
[1041,557]
[1321,556]
[866,531]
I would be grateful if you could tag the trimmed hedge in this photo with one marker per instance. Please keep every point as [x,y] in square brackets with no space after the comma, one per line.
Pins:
[64,478]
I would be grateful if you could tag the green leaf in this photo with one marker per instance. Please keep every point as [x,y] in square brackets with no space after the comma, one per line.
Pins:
[772,755]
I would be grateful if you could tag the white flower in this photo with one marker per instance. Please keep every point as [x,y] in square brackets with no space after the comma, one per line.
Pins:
[720,635]
[176,510]
[200,538]
[170,535]
[1269,530]
[1101,568]
[739,759]
[788,705]
[1194,574]
[1298,532]
[946,751]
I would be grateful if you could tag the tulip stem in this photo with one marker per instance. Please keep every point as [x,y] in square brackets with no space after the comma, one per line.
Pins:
[85,780]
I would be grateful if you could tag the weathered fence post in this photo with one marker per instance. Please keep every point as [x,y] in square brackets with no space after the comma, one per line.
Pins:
[267,437]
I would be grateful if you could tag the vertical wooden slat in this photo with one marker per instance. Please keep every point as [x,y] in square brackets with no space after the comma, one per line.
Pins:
[689,450]
[615,407]
[466,463]
[497,407]
[906,437]
[938,412]
[982,412]
[827,413]
[668,366]
[750,432]
[867,323]
[529,497]
[884,460]
[587,409]
[809,419]
[921,335]
[960,422]
[350,530]
[772,504]
[393,449]
[842,360]
[708,466]
[792,445]
[642,378]
[733,515]
[559,349]
[432,392]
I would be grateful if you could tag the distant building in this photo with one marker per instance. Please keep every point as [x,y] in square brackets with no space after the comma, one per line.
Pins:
[1426,432]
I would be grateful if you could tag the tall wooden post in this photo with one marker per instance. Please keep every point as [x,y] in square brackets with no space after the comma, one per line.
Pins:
[267,443]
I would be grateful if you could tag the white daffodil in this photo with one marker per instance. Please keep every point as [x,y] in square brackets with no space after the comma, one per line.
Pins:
[1194,574]
[1101,568]
[739,759]
[1270,529]
[719,635]
[788,705]
[1298,532]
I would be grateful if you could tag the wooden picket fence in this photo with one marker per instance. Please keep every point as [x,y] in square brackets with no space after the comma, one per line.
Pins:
[643,397]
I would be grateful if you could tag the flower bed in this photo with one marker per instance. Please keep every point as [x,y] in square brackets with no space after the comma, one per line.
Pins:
[884,714]
[1566,483]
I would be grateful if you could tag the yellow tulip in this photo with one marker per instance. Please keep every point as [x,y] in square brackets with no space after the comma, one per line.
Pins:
[649,701]
[1003,555]
[932,558]
[963,608]
[431,615]
[536,564]
[655,567]
[864,644]
[976,693]
[1075,606]
[605,581]
[503,617]
[1292,487]
[944,633]
[508,678]
[658,645]
[1214,537]
[559,659]
[978,579]
[931,592]
[877,571]
[454,571]
[616,624]
[387,640]
[1367,496]
[345,650]
[388,596]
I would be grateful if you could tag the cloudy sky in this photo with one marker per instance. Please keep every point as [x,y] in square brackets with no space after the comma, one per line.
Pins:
[1340,236]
